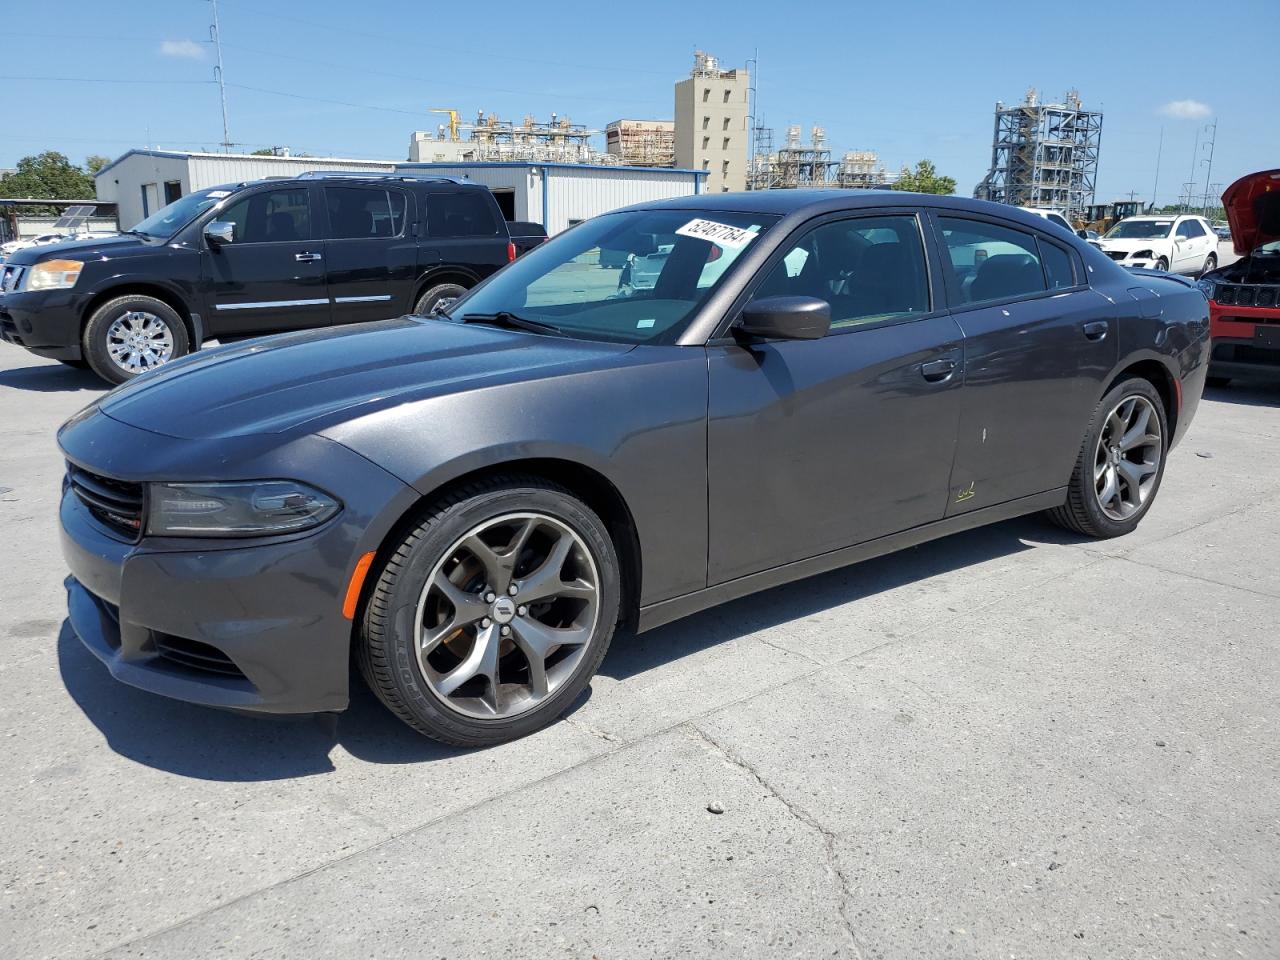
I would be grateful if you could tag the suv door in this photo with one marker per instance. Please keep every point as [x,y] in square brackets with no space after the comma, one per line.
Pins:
[1193,245]
[1038,345]
[270,277]
[464,228]
[821,444]
[370,255]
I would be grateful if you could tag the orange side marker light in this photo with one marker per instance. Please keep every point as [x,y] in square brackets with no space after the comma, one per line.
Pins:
[357,582]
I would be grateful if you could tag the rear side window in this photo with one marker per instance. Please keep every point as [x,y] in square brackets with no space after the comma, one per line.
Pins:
[461,214]
[1057,266]
[359,213]
[991,262]
[273,216]
[1190,229]
[1060,221]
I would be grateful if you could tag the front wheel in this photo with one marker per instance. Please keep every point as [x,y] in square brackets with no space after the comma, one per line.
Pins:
[129,335]
[1162,264]
[438,296]
[492,615]
[1120,465]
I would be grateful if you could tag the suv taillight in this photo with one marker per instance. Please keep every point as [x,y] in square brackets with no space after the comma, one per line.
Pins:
[511,251]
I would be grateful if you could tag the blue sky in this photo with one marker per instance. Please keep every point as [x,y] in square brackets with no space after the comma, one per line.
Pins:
[909,80]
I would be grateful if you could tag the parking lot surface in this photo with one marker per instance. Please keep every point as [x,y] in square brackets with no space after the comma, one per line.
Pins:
[1009,743]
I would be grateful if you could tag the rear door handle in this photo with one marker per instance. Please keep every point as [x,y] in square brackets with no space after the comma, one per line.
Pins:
[1095,329]
[935,371]
[307,257]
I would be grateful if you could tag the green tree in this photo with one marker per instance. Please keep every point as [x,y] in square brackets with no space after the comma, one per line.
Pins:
[924,179]
[95,162]
[49,175]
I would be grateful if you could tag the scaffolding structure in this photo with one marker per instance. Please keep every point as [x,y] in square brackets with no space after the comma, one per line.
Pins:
[490,138]
[1044,155]
[798,165]
[642,143]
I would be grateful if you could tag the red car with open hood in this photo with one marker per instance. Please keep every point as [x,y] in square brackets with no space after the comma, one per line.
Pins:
[1244,297]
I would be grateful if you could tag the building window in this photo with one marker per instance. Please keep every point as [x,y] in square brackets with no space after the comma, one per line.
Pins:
[706,164]
[172,191]
[706,94]
[706,123]
[726,124]
[726,95]
[726,144]
[706,143]
[724,168]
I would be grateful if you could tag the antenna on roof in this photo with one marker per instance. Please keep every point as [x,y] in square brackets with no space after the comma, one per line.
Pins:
[215,34]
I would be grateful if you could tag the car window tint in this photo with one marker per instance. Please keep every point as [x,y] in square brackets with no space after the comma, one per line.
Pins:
[1057,266]
[991,262]
[273,216]
[871,270]
[358,213]
[461,214]
[1194,229]
[1060,221]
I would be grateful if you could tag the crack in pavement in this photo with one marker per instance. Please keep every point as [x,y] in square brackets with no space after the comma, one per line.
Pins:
[844,896]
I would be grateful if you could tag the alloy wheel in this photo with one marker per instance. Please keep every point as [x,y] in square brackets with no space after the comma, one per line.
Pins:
[1126,462]
[507,615]
[138,341]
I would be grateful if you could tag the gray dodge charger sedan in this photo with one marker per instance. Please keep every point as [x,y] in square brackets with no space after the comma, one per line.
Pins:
[469,504]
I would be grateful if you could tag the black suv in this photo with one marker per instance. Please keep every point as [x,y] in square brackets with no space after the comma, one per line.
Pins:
[254,258]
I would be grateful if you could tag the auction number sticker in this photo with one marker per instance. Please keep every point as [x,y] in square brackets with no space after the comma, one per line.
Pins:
[719,233]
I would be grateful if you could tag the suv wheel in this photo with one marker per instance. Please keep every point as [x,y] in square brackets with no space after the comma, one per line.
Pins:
[1120,465]
[132,334]
[437,295]
[492,615]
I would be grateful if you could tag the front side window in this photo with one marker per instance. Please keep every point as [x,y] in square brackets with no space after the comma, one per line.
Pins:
[465,213]
[271,216]
[871,270]
[990,262]
[359,213]
[629,277]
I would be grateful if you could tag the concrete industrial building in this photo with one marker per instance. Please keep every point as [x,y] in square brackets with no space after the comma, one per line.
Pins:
[642,143]
[558,195]
[142,181]
[711,123]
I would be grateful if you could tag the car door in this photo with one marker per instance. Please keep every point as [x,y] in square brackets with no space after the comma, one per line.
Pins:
[1038,343]
[371,255]
[1184,247]
[270,277]
[816,445]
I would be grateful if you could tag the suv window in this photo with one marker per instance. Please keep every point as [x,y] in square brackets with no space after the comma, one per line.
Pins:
[357,213]
[991,262]
[1057,266]
[871,270]
[272,216]
[460,214]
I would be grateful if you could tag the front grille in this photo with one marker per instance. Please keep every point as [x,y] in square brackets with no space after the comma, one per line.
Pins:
[1116,254]
[195,655]
[1246,295]
[115,503]
[10,277]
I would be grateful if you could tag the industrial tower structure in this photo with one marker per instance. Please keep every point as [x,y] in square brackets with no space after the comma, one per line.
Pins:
[1044,155]
[811,165]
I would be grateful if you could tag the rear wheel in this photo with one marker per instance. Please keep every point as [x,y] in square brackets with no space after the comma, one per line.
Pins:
[132,334]
[1120,465]
[493,614]
[440,294]
[1210,263]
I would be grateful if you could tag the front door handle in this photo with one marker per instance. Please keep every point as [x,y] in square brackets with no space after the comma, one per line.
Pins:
[1095,330]
[305,257]
[935,371]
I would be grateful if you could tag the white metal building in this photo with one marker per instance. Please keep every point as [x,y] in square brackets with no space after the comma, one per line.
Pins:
[558,195]
[143,181]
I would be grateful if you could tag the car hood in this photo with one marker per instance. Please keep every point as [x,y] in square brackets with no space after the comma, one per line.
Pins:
[85,248]
[1129,246]
[315,378]
[1253,210]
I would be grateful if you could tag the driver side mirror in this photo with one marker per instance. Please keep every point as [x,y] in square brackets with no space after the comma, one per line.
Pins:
[785,318]
[219,232]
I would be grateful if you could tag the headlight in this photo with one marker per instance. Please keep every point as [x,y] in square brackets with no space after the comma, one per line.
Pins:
[254,509]
[54,275]
[1205,287]
[1142,255]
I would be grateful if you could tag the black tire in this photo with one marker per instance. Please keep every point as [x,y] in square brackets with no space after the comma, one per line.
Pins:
[432,296]
[1162,264]
[1082,512]
[385,648]
[1210,264]
[94,339]
[1217,381]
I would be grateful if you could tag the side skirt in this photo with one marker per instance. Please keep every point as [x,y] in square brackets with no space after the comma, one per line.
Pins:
[665,611]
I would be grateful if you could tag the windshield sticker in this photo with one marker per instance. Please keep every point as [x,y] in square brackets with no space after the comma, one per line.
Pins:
[642,324]
[219,194]
[726,236]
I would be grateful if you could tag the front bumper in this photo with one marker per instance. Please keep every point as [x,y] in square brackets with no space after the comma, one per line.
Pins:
[1246,341]
[46,322]
[243,624]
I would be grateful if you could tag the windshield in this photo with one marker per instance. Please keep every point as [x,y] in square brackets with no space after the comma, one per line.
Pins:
[1140,230]
[629,277]
[167,221]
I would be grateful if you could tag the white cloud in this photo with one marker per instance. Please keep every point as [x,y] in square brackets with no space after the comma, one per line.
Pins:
[187,49]
[1186,109]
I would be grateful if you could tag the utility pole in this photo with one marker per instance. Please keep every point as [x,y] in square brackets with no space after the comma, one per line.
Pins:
[1191,180]
[1212,130]
[216,35]
[1156,184]
[753,118]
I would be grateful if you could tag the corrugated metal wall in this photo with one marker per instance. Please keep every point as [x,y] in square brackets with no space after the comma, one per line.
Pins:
[209,171]
[581,194]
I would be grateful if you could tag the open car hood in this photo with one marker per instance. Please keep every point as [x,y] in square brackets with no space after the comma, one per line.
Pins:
[1253,210]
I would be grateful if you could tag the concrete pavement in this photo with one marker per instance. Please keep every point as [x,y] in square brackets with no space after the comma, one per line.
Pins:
[1010,743]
